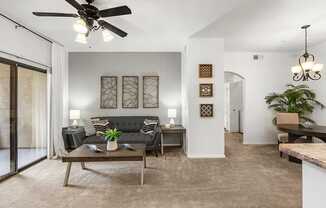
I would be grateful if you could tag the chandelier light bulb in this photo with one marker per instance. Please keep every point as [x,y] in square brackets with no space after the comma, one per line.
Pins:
[296,69]
[107,36]
[307,65]
[317,67]
[81,38]
[80,26]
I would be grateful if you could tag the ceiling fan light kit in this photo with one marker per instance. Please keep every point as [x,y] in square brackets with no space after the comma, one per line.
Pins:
[88,15]
[80,26]
[107,35]
[81,38]
[307,69]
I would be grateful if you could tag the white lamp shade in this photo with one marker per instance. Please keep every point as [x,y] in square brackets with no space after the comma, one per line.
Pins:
[107,36]
[81,38]
[80,26]
[318,67]
[172,113]
[308,65]
[296,69]
[74,114]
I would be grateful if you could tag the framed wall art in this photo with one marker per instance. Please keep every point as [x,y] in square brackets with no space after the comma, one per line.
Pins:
[130,91]
[109,92]
[206,110]
[206,90]
[205,70]
[151,92]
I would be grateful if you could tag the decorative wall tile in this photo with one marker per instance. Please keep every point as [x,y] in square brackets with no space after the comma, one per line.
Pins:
[206,110]
[205,70]
[206,90]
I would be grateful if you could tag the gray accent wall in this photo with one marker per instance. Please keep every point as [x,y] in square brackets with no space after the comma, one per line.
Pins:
[86,69]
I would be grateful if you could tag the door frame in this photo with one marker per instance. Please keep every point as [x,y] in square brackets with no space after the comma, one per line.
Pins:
[14,116]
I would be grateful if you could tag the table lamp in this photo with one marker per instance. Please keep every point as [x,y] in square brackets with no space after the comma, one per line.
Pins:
[172,113]
[74,115]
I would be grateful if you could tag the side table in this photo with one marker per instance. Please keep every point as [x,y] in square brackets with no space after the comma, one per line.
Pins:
[178,129]
[73,137]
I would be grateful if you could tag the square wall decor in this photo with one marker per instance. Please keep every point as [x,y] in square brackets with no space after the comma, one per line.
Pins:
[130,92]
[206,90]
[109,92]
[205,70]
[206,110]
[151,91]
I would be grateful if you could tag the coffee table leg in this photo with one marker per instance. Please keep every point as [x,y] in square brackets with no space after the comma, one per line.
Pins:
[83,165]
[144,158]
[142,174]
[67,174]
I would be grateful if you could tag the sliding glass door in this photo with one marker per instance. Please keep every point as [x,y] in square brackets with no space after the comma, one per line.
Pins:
[4,119]
[23,111]
[31,120]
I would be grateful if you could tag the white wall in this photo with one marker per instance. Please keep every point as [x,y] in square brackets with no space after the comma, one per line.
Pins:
[23,43]
[205,136]
[86,69]
[261,77]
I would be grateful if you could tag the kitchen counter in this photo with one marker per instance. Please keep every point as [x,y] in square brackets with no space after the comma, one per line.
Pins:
[313,153]
[313,158]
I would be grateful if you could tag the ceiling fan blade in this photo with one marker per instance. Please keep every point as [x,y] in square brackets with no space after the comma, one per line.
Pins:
[116,11]
[112,28]
[53,14]
[75,4]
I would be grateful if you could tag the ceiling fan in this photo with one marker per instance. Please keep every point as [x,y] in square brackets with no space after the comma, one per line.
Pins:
[87,16]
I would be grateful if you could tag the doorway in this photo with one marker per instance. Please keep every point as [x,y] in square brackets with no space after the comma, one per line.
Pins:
[23,110]
[233,106]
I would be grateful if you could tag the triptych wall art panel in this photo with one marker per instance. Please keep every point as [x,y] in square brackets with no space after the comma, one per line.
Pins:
[130,92]
[109,92]
[150,91]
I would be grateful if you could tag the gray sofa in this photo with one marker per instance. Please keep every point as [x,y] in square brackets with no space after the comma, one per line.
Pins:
[130,127]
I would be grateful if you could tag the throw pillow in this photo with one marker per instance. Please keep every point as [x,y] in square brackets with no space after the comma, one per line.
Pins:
[149,126]
[101,125]
[89,128]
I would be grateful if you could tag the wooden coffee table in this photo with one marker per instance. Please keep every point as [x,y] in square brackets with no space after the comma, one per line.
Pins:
[84,154]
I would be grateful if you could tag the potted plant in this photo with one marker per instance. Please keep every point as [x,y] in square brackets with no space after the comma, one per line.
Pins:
[112,136]
[295,99]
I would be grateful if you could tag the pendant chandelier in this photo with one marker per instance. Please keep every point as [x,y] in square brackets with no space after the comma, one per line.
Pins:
[307,69]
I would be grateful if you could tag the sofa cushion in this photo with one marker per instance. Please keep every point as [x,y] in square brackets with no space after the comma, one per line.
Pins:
[136,138]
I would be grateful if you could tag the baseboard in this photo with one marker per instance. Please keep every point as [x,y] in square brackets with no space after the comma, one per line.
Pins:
[208,156]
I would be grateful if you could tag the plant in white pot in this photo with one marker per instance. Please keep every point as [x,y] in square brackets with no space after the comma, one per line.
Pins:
[112,136]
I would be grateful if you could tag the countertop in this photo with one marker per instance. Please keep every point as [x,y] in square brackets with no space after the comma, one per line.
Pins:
[313,153]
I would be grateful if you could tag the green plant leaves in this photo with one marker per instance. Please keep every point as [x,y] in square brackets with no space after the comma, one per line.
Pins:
[295,99]
[112,134]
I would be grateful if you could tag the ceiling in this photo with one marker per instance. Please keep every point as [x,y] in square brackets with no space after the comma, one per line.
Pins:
[165,25]
[270,25]
[155,25]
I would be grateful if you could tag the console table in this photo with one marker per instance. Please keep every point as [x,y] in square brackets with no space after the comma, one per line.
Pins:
[178,129]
